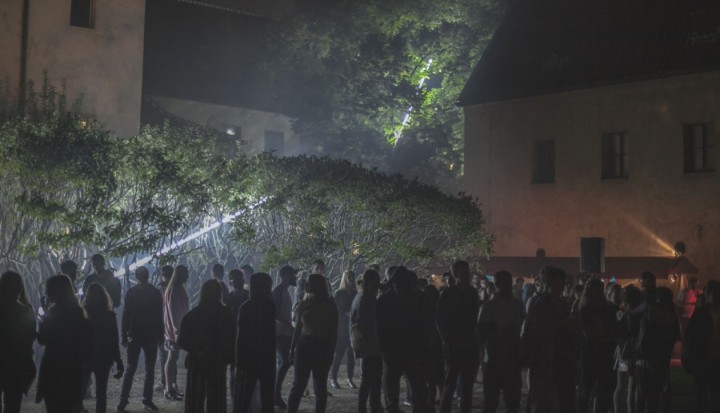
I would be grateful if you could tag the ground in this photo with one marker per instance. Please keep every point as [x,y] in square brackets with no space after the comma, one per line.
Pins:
[342,401]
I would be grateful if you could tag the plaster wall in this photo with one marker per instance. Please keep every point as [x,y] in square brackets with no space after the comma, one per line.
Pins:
[10,42]
[643,215]
[250,124]
[103,64]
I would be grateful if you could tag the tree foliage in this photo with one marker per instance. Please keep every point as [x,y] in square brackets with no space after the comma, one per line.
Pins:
[70,189]
[349,215]
[349,72]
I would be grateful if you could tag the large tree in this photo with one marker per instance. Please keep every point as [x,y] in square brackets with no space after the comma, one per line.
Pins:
[377,81]
[70,189]
[309,208]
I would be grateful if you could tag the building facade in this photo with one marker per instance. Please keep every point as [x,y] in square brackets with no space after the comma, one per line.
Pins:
[599,120]
[196,56]
[255,130]
[92,48]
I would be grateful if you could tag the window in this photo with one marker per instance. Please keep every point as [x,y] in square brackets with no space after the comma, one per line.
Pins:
[274,142]
[543,161]
[614,156]
[82,13]
[696,148]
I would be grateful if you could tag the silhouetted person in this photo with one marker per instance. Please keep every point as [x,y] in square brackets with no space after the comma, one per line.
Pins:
[549,340]
[104,277]
[625,353]
[176,304]
[313,343]
[69,268]
[238,295]
[363,319]
[17,334]
[598,339]
[669,334]
[255,346]
[498,329]
[206,333]
[701,349]
[404,335]
[98,306]
[67,335]
[142,330]
[218,273]
[447,281]
[656,330]
[487,290]
[165,275]
[344,297]
[457,314]
[283,328]
[384,281]
[688,301]
[434,365]
[530,290]
[518,288]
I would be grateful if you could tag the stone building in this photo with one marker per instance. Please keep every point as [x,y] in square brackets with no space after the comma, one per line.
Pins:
[127,59]
[92,47]
[598,119]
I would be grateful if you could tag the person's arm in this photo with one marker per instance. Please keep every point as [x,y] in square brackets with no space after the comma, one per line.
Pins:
[362,317]
[126,316]
[157,314]
[227,338]
[29,333]
[296,333]
[384,329]
[240,337]
[179,307]
[117,293]
[114,337]
[186,336]
[485,324]
[444,316]
[45,327]
[333,333]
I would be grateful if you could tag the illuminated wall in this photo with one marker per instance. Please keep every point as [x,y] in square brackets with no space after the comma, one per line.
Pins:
[641,215]
[257,129]
[103,63]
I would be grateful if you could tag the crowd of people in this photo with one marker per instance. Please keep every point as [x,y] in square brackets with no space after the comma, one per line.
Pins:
[578,345]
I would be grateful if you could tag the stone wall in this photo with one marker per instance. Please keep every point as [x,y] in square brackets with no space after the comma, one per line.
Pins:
[643,215]
[103,64]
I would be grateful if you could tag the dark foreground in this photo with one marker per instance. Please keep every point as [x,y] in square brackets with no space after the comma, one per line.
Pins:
[342,401]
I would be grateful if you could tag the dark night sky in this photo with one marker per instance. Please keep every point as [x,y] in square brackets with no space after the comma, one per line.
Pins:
[205,54]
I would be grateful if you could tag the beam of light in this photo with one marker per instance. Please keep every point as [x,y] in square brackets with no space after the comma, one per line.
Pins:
[406,118]
[662,245]
[197,234]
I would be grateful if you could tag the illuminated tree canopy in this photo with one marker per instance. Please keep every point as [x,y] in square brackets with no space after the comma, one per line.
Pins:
[70,189]
[349,72]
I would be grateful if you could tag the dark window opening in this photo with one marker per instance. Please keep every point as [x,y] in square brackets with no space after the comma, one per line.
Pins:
[543,162]
[82,13]
[275,142]
[614,156]
[697,146]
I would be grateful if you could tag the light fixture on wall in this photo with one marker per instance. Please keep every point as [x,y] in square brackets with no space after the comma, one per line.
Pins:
[679,248]
[673,278]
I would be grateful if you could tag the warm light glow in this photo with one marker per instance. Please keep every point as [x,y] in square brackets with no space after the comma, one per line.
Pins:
[664,247]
